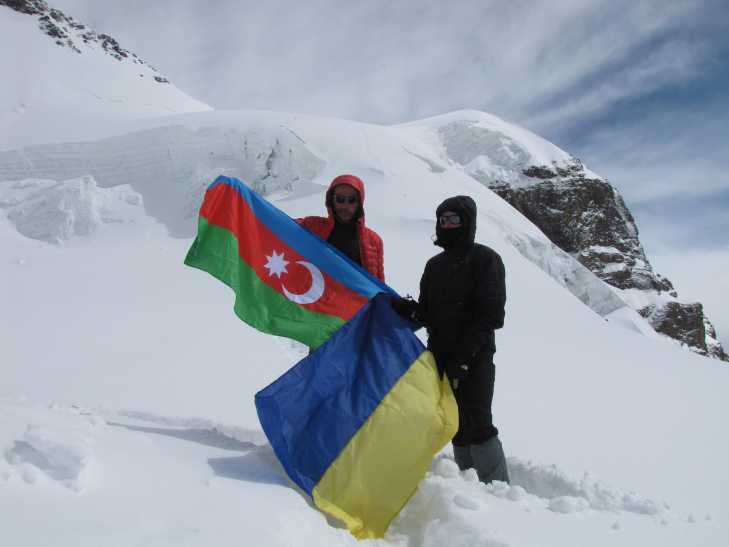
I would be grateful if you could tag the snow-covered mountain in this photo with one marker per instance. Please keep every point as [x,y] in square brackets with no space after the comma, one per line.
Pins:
[170,166]
[126,401]
[61,79]
[94,87]
[580,212]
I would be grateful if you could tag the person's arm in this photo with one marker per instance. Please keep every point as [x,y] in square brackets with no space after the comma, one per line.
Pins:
[414,311]
[423,310]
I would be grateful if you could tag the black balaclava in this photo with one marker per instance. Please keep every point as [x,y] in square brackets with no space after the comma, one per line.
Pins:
[464,235]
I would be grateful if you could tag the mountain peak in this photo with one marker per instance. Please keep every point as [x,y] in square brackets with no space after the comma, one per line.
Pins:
[66,32]
[73,79]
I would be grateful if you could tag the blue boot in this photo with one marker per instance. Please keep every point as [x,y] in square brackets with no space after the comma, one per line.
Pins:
[462,455]
[489,461]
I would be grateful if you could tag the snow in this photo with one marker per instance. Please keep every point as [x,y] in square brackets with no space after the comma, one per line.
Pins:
[80,91]
[491,149]
[181,485]
[60,454]
[467,129]
[144,379]
[280,155]
[57,211]
[126,401]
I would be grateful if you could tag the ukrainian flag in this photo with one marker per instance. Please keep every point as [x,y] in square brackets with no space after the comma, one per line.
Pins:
[356,423]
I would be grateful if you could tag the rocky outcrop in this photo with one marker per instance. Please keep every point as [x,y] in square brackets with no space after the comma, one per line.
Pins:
[688,324]
[29,7]
[587,217]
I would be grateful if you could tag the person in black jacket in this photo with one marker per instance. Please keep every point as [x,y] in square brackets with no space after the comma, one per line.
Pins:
[462,298]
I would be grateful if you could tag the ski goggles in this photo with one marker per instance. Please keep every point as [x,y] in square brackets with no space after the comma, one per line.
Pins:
[341,200]
[450,219]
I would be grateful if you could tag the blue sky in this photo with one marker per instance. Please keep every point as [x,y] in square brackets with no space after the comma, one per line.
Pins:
[639,91]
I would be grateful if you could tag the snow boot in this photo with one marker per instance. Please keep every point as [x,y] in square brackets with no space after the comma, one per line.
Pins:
[463,457]
[489,461]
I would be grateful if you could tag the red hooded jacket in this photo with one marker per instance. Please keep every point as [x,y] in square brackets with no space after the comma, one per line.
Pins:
[370,244]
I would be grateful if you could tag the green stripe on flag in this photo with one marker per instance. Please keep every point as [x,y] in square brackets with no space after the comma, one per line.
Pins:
[215,250]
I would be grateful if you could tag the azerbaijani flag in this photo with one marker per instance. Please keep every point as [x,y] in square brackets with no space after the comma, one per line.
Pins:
[356,423]
[287,281]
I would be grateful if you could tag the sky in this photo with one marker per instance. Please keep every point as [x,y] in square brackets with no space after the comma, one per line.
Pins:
[639,91]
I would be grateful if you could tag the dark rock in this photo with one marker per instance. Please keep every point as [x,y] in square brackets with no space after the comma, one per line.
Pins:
[30,7]
[687,324]
[112,47]
[682,322]
[540,172]
[588,218]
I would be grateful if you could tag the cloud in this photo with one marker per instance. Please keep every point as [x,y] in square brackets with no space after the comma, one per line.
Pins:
[537,63]
[668,64]
[694,223]
[662,152]
[652,162]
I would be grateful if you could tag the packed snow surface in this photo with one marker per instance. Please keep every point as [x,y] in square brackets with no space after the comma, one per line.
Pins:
[126,407]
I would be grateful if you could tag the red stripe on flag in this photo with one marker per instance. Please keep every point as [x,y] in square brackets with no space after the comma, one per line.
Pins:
[223,206]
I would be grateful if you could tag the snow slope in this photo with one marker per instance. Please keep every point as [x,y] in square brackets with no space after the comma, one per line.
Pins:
[126,407]
[491,149]
[53,91]
[172,164]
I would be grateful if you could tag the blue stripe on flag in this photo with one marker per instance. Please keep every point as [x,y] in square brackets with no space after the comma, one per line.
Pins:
[311,412]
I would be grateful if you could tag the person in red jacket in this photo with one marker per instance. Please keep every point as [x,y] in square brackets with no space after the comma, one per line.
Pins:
[344,226]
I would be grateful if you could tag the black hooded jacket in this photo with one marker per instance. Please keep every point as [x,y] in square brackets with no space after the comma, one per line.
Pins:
[462,291]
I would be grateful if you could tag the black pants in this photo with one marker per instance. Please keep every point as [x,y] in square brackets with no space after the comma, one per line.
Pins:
[474,396]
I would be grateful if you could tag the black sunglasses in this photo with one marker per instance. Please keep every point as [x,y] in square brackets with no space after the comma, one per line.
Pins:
[345,199]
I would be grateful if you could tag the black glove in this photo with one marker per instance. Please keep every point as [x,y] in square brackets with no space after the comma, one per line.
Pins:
[407,308]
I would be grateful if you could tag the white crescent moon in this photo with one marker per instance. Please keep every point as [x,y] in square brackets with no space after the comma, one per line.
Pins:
[315,291]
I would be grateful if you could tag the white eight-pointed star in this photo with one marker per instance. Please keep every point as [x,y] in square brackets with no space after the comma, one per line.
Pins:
[276,264]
